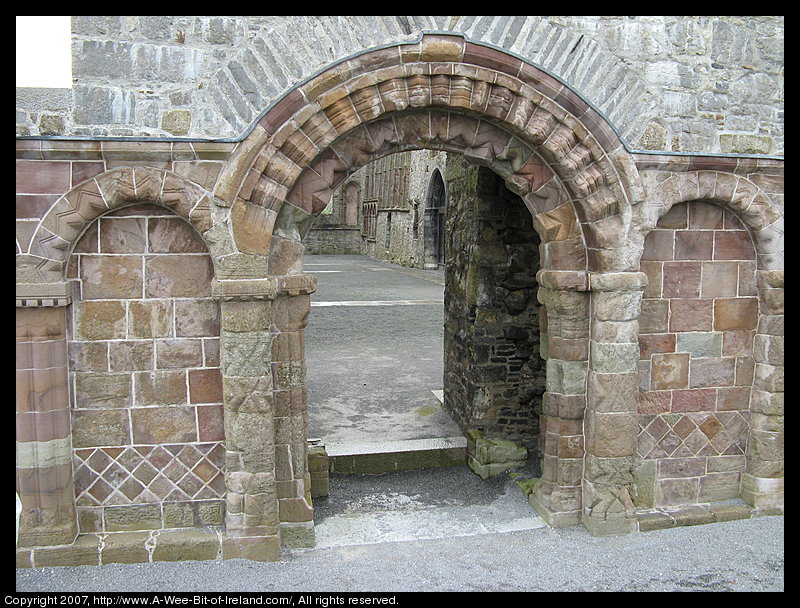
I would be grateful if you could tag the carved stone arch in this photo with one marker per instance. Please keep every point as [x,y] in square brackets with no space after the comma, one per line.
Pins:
[443,93]
[69,217]
[734,192]
[551,148]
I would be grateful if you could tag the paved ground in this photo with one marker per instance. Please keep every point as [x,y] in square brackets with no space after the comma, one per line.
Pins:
[437,529]
[374,353]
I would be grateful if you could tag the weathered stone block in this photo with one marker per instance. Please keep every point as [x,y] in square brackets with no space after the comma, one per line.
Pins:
[85,551]
[164,425]
[160,387]
[98,390]
[99,427]
[179,545]
[614,358]
[130,355]
[176,122]
[612,392]
[150,318]
[716,487]
[184,276]
[611,434]
[132,517]
[205,386]
[126,547]
[712,372]
[246,353]
[700,344]
[99,320]
[669,371]
[178,353]
[255,548]
[566,377]
[194,318]
[735,313]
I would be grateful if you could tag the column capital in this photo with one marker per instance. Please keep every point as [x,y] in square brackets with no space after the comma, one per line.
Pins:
[268,288]
[617,281]
[43,294]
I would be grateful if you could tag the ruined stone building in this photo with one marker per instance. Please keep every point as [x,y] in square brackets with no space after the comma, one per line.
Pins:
[611,234]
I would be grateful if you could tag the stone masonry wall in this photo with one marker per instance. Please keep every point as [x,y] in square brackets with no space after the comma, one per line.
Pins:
[698,321]
[143,347]
[494,377]
[549,105]
[670,83]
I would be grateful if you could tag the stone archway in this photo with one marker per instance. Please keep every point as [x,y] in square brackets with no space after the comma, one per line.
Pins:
[552,149]
[762,479]
[44,450]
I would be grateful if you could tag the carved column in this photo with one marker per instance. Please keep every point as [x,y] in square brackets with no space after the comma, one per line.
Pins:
[565,336]
[611,424]
[43,437]
[762,482]
[290,316]
[251,519]
[267,485]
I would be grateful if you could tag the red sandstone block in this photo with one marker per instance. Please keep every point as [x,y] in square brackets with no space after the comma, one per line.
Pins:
[690,315]
[654,402]
[705,215]
[659,245]
[654,316]
[698,400]
[735,313]
[42,177]
[676,218]
[682,279]
[693,245]
[719,279]
[733,398]
[656,343]
[205,386]
[733,245]
[669,370]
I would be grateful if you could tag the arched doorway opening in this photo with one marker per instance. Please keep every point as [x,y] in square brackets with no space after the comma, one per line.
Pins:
[435,208]
[468,333]
[551,149]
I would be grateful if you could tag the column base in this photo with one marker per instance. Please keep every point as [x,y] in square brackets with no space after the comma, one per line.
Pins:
[255,548]
[559,506]
[764,494]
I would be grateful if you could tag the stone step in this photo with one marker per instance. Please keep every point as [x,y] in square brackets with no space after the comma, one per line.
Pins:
[374,458]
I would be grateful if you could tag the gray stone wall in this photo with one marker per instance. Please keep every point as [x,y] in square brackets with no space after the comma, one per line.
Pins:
[680,84]
[494,377]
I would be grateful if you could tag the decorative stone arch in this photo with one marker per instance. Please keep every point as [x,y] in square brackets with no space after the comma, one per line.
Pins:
[495,109]
[67,219]
[762,483]
[44,452]
[735,192]
[552,149]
